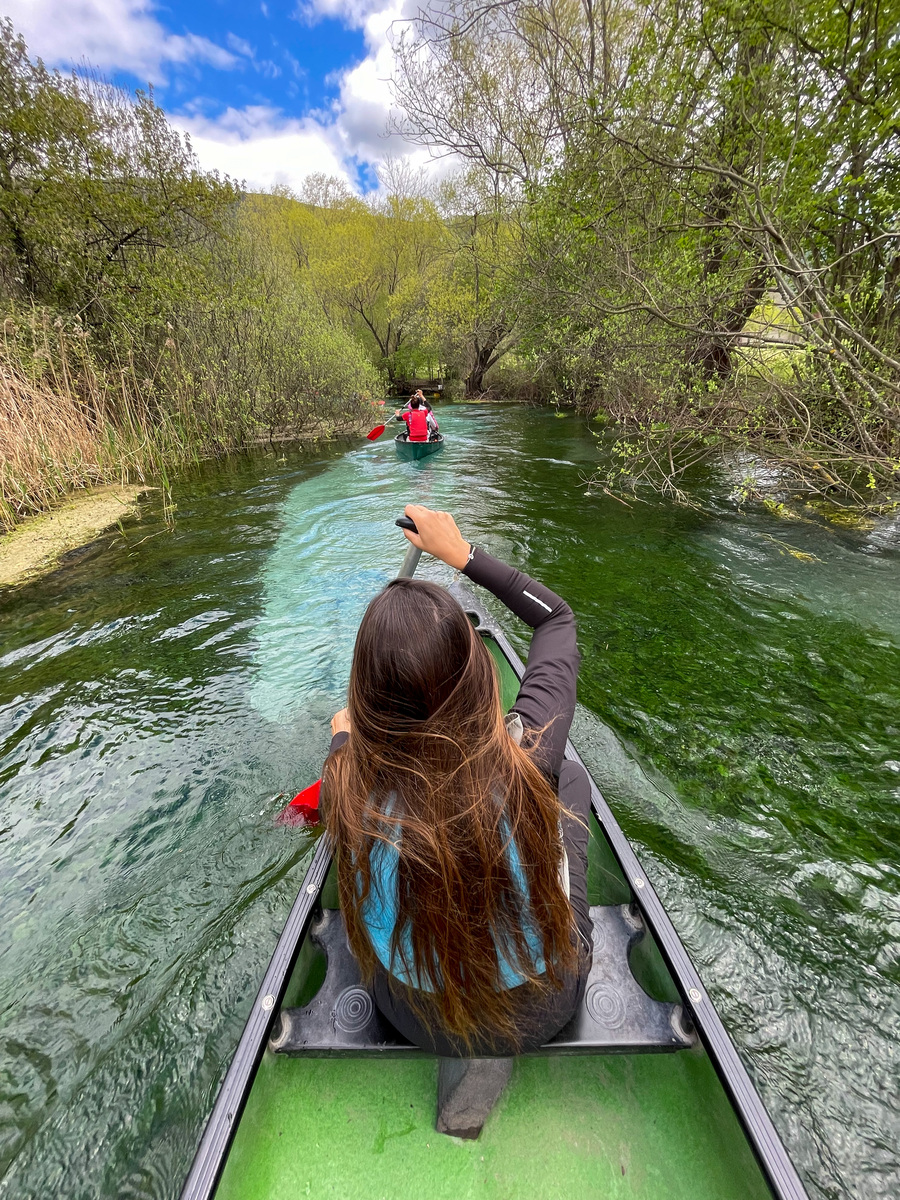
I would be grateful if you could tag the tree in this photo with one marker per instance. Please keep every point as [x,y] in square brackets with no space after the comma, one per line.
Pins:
[154,306]
[471,311]
[370,262]
[673,165]
[92,186]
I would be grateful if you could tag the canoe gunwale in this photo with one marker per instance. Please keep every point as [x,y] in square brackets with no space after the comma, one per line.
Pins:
[779,1171]
[416,451]
[209,1161]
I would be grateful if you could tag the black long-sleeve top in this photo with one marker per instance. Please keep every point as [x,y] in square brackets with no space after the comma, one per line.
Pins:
[547,692]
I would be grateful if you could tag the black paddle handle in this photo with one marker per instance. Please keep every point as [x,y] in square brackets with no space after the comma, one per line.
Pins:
[407,523]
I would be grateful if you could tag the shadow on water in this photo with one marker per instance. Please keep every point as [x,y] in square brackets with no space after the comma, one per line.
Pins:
[738,707]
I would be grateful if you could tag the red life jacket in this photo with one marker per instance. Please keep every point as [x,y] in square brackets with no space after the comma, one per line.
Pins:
[417,424]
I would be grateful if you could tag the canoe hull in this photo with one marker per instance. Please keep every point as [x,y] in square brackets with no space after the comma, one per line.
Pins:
[639,1125]
[413,451]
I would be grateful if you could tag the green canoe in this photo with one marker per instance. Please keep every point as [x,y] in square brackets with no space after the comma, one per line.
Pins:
[358,1123]
[411,451]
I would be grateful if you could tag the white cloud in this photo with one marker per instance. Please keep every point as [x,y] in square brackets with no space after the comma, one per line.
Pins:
[265,66]
[351,12]
[263,148]
[365,92]
[239,45]
[258,144]
[299,71]
[356,14]
[110,34]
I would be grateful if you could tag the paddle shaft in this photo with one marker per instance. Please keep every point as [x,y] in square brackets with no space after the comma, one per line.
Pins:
[374,434]
[413,554]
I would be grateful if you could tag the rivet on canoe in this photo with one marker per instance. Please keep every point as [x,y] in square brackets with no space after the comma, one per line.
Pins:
[694,994]
[268,1002]
[638,882]
[311,889]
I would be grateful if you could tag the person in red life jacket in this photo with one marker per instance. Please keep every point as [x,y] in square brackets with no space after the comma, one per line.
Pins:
[426,404]
[419,421]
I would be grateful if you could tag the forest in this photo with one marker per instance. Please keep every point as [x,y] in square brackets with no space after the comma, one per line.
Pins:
[152,313]
[708,197]
[680,220]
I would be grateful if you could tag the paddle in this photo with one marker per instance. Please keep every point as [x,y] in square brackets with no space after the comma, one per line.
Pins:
[304,808]
[375,434]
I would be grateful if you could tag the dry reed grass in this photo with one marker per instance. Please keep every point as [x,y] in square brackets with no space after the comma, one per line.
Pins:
[50,445]
[64,424]
[67,422]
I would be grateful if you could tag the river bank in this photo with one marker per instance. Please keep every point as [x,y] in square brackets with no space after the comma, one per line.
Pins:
[40,543]
[65,430]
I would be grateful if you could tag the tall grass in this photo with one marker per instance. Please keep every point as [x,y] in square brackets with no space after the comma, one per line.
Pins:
[70,420]
[149,313]
[56,435]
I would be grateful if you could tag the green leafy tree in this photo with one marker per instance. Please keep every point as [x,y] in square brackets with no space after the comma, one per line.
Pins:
[93,186]
[680,170]
[369,263]
[471,311]
[155,307]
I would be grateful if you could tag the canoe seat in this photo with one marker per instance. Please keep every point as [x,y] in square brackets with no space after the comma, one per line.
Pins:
[616,1016]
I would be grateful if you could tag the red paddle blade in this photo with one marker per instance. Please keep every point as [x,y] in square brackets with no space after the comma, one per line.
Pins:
[304,808]
[300,814]
[376,433]
[309,796]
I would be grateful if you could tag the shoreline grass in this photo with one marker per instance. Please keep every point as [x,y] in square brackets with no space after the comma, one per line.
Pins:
[67,425]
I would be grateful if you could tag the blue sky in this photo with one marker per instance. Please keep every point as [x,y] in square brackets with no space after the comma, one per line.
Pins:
[283,60]
[269,90]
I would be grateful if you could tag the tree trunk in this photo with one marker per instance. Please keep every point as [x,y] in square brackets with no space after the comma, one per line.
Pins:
[713,351]
[486,356]
[484,360]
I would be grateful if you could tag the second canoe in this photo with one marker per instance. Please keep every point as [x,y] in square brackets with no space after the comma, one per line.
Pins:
[411,451]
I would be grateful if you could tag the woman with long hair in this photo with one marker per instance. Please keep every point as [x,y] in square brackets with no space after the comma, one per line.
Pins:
[461,837]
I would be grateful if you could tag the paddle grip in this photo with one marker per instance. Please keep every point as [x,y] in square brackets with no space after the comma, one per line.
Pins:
[407,523]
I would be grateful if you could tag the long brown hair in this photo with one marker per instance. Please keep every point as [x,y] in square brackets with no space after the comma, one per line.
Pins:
[429,758]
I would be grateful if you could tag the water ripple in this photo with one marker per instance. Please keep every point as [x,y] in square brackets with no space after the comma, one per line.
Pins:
[738,708]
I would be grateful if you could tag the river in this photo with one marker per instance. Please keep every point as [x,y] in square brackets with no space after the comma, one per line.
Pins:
[739,707]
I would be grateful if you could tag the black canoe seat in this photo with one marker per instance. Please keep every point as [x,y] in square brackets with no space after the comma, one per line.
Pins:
[616,1017]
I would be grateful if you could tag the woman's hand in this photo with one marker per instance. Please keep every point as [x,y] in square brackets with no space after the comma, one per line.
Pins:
[340,722]
[438,535]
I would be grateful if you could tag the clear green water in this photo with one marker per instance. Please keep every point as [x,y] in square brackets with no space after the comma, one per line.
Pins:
[740,709]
